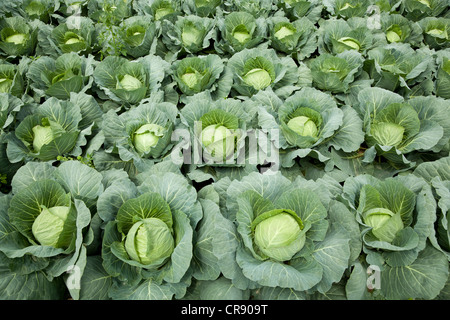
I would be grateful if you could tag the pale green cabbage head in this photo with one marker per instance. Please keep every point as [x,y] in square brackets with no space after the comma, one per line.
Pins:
[191,35]
[241,34]
[5,84]
[219,141]
[149,241]
[49,228]
[284,32]
[387,134]
[147,136]
[191,78]
[279,236]
[258,78]
[18,38]
[129,83]
[303,126]
[394,34]
[42,136]
[350,42]
[385,224]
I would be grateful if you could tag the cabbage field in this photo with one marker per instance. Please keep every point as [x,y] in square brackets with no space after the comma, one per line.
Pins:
[224,150]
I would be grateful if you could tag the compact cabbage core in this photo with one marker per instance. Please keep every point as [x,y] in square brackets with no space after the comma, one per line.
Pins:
[191,78]
[50,225]
[42,135]
[284,32]
[385,224]
[149,241]
[129,83]
[258,78]
[73,40]
[147,136]
[279,236]
[241,34]
[394,33]
[18,38]
[219,141]
[303,126]
[191,35]
[350,42]
[5,84]
[387,134]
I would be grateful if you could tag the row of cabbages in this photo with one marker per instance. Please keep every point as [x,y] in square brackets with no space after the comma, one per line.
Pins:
[204,53]
[101,235]
[211,136]
[55,27]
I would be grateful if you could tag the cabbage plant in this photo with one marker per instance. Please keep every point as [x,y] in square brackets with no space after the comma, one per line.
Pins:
[217,127]
[188,34]
[310,117]
[207,73]
[239,30]
[436,174]
[335,73]
[11,79]
[338,35]
[397,28]
[309,122]
[103,10]
[397,65]
[394,127]
[416,9]
[397,216]
[54,129]
[442,81]
[128,81]
[147,247]
[257,69]
[297,38]
[139,35]
[258,8]
[142,134]
[347,8]
[9,108]
[61,76]
[76,34]
[17,36]
[39,9]
[158,9]
[280,234]
[202,8]
[46,225]
[294,9]
[436,32]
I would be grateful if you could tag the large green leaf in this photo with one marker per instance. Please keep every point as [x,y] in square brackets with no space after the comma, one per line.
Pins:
[205,263]
[82,181]
[146,290]
[333,255]
[300,274]
[95,282]
[307,205]
[422,279]
[176,191]
[38,287]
